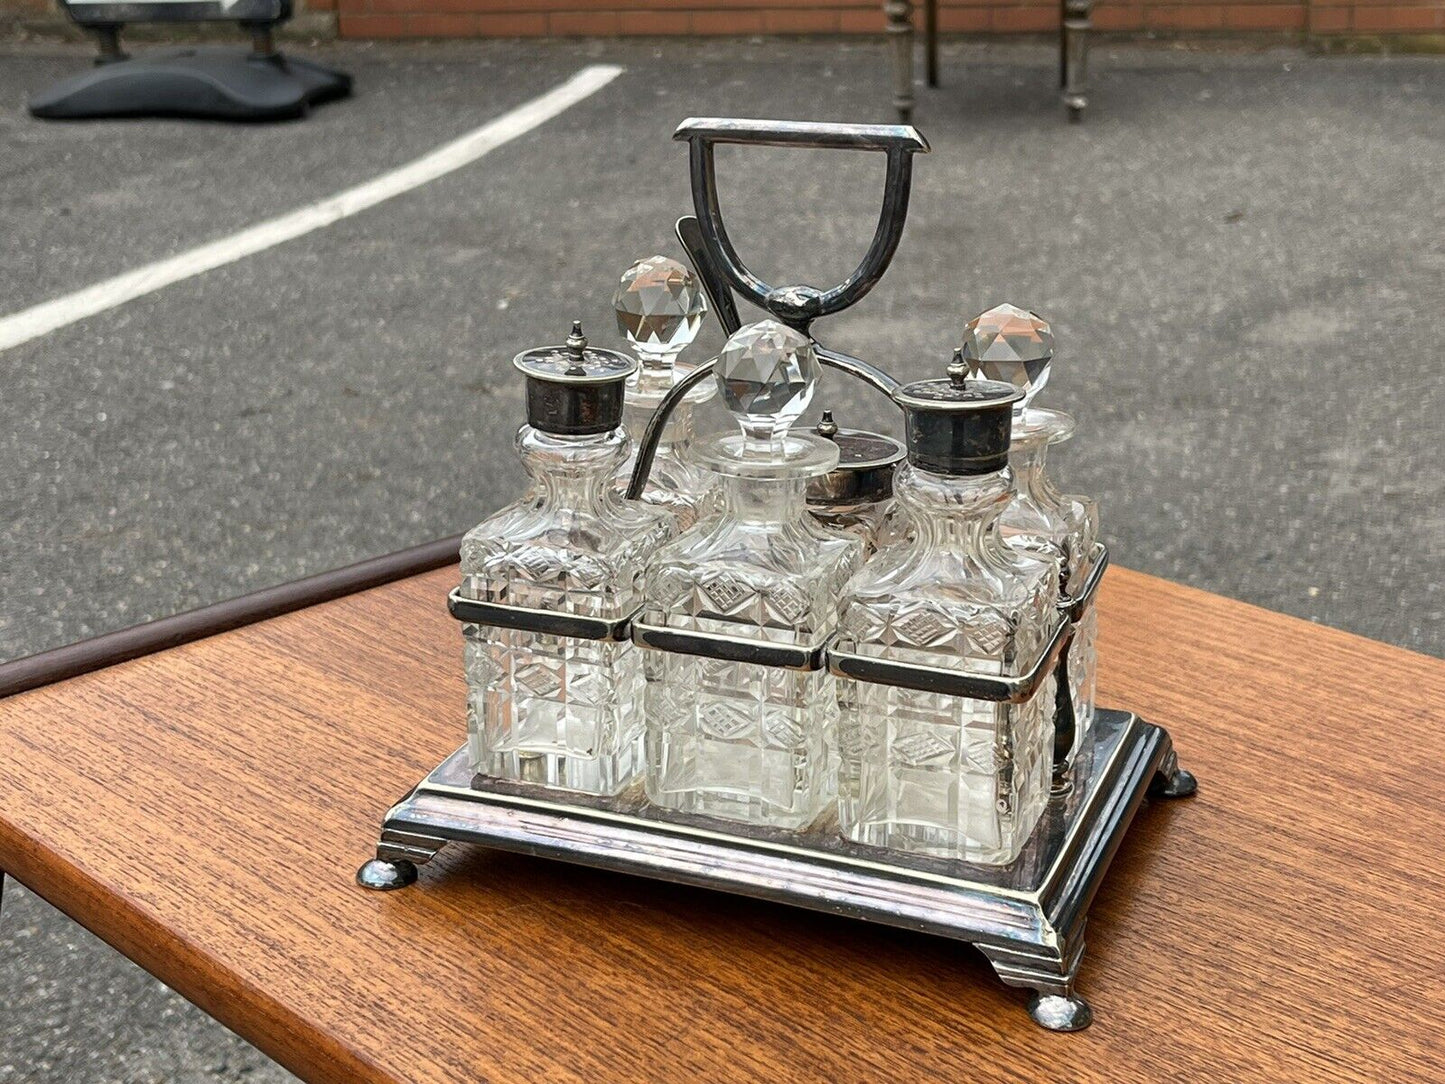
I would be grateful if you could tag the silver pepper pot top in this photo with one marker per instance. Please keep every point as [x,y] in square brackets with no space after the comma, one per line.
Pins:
[958,426]
[864,474]
[574,390]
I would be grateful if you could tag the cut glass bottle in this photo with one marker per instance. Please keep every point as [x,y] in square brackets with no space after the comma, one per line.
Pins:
[1017,346]
[562,711]
[923,772]
[660,308]
[741,740]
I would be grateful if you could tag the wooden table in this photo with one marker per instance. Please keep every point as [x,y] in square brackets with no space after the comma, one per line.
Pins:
[204,808]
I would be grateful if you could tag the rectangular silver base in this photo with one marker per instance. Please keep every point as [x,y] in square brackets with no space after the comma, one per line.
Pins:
[1027,917]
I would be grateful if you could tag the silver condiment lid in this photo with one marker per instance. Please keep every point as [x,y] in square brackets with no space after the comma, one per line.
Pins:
[864,474]
[956,425]
[573,389]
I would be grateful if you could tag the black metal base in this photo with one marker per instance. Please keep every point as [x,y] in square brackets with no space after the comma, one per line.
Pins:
[215,84]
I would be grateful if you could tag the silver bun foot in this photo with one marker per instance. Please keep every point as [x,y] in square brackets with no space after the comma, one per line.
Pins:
[384,876]
[1058,1013]
[1172,781]
[1180,783]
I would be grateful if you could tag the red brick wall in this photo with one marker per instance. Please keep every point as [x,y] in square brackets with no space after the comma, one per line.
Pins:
[1377,17]
[528,18]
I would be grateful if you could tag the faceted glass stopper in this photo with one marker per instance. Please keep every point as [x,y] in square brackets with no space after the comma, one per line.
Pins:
[766,374]
[1010,344]
[660,307]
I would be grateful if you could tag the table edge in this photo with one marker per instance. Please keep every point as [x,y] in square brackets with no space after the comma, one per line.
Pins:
[97,652]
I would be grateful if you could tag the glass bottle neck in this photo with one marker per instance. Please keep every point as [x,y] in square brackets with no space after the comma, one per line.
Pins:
[957,513]
[765,501]
[656,374]
[571,471]
[677,434]
[1027,459]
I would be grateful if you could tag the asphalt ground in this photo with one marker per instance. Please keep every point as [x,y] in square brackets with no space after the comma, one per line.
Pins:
[1242,253]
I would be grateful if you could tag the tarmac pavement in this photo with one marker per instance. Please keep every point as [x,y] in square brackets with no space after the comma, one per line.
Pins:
[1242,253]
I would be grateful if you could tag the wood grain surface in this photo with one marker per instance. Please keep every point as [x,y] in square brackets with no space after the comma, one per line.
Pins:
[204,810]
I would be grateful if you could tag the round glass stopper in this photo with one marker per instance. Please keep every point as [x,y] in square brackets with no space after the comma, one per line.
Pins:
[660,306]
[1010,344]
[766,375]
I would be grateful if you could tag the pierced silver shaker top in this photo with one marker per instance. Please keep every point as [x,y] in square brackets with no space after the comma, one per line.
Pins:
[958,426]
[864,473]
[574,389]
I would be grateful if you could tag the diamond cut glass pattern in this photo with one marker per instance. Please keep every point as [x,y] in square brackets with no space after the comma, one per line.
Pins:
[922,772]
[741,740]
[556,710]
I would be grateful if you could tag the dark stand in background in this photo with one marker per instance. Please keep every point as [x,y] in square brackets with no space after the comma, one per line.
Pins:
[214,83]
[1075,22]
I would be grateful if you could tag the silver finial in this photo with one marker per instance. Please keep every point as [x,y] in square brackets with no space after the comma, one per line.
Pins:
[577,344]
[958,369]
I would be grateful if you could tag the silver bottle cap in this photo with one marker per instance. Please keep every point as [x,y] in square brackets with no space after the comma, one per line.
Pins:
[956,425]
[864,474]
[573,389]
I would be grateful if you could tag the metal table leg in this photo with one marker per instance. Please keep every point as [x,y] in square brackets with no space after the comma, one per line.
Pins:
[930,42]
[900,32]
[1074,27]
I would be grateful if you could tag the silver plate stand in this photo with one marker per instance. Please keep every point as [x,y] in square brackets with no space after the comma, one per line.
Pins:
[1027,918]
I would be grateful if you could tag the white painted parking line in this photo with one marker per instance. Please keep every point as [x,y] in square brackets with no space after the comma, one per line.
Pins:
[44,318]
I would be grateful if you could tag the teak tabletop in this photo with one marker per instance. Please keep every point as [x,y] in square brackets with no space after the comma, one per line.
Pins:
[204,810]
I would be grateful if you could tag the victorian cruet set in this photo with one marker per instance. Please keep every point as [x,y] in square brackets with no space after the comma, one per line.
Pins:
[816,665]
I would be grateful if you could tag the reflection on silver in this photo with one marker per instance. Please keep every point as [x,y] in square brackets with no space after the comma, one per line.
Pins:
[1027,917]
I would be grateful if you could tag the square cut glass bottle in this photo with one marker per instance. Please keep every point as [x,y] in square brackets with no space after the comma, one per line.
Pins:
[562,711]
[739,740]
[746,741]
[1041,520]
[928,773]
[1014,345]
